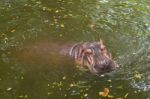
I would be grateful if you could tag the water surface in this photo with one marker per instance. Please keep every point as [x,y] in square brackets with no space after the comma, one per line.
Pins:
[31,32]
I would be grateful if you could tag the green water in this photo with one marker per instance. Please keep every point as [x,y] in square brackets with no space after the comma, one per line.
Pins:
[124,25]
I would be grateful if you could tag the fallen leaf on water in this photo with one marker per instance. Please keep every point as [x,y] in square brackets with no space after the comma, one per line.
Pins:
[72,85]
[44,8]
[126,95]
[120,87]
[8,89]
[85,95]
[109,80]
[64,78]
[65,95]
[22,77]
[106,90]
[21,96]
[70,15]
[13,30]
[110,96]
[25,96]
[59,84]
[135,92]
[92,25]
[60,35]
[38,2]
[56,11]
[104,93]
[138,76]
[62,25]
[46,21]
[102,75]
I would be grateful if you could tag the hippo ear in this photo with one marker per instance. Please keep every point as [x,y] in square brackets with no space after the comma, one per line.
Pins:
[104,50]
[102,46]
[88,51]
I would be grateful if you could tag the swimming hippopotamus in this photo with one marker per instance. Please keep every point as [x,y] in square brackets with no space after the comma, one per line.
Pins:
[93,55]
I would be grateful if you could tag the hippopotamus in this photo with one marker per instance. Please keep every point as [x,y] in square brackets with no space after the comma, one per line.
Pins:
[93,56]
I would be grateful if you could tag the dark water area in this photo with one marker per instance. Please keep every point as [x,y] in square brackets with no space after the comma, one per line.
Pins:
[32,32]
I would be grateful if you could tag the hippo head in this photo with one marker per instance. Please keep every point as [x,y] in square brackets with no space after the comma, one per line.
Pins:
[93,55]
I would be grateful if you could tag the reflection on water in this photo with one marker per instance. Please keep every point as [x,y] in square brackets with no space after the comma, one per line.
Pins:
[123,25]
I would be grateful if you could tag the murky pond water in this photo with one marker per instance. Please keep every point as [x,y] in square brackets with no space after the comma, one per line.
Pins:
[27,72]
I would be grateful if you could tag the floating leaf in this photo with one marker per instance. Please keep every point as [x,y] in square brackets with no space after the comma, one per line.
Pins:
[8,89]
[13,30]
[120,87]
[22,77]
[104,93]
[138,76]
[60,35]
[59,84]
[65,95]
[26,5]
[110,96]
[70,15]
[26,96]
[102,75]
[62,25]
[109,80]
[73,84]
[46,21]
[44,8]
[92,25]
[56,11]
[64,78]
[49,93]
[20,96]
[126,95]
[38,2]
[85,95]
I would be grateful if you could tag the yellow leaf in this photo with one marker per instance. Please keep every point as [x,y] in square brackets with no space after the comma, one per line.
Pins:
[110,96]
[44,8]
[62,25]
[126,95]
[64,78]
[8,89]
[13,30]
[138,76]
[104,93]
[57,11]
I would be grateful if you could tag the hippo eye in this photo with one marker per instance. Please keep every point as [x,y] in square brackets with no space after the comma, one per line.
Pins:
[88,51]
[103,48]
